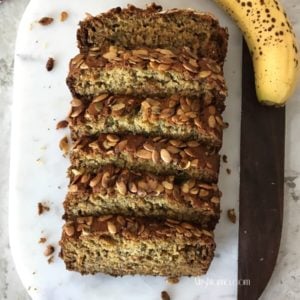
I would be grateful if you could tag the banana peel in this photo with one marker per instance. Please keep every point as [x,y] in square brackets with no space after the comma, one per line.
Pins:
[273,46]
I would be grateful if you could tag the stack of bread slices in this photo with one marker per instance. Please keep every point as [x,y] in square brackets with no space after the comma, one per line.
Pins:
[146,123]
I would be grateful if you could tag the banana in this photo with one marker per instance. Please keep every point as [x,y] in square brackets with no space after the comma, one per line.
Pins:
[273,46]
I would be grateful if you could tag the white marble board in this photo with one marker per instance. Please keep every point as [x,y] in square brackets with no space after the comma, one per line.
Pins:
[38,169]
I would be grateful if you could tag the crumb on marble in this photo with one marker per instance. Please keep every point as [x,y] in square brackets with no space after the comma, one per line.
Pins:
[42,207]
[63,16]
[173,280]
[226,125]
[231,215]
[39,161]
[224,158]
[42,240]
[64,145]
[49,250]
[228,171]
[50,259]
[46,21]
[50,64]
[165,296]
[62,124]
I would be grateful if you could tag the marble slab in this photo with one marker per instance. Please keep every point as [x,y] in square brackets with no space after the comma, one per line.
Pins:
[38,169]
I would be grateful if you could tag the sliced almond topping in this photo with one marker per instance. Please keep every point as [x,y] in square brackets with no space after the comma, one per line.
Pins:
[203,193]
[112,138]
[140,52]
[163,67]
[121,187]
[100,98]
[69,230]
[76,102]
[112,229]
[190,68]
[185,188]
[204,74]
[215,200]
[165,156]
[64,145]
[110,55]
[167,185]
[118,107]
[105,179]
[193,144]
[155,156]
[132,187]
[95,181]
[212,121]
[144,154]
[104,218]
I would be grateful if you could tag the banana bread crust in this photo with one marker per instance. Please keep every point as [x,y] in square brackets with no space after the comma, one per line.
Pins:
[139,245]
[151,72]
[152,154]
[173,117]
[151,27]
[114,190]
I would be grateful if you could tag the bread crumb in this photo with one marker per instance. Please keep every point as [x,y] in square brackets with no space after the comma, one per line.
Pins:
[49,250]
[50,259]
[228,171]
[173,280]
[46,21]
[62,124]
[42,208]
[64,145]
[63,16]
[42,240]
[50,64]
[165,296]
[224,158]
[231,215]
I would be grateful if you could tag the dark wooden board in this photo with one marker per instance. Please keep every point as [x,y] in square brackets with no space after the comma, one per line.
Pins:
[261,187]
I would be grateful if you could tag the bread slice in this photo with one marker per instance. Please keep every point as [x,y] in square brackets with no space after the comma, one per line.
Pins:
[117,245]
[150,154]
[114,190]
[175,117]
[151,72]
[133,28]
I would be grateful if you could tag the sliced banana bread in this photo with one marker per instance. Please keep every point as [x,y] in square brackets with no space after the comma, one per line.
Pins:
[117,245]
[134,28]
[150,154]
[151,72]
[121,191]
[175,117]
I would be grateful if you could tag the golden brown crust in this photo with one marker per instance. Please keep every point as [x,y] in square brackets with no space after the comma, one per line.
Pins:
[153,154]
[138,245]
[145,71]
[152,27]
[116,190]
[175,117]
[133,228]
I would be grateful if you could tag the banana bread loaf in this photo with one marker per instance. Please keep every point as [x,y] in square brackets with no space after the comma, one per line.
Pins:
[151,72]
[121,246]
[150,154]
[175,117]
[134,28]
[120,191]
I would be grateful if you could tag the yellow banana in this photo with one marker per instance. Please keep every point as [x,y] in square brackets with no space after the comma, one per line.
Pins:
[272,44]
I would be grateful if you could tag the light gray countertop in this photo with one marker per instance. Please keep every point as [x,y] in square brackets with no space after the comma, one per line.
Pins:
[285,281]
